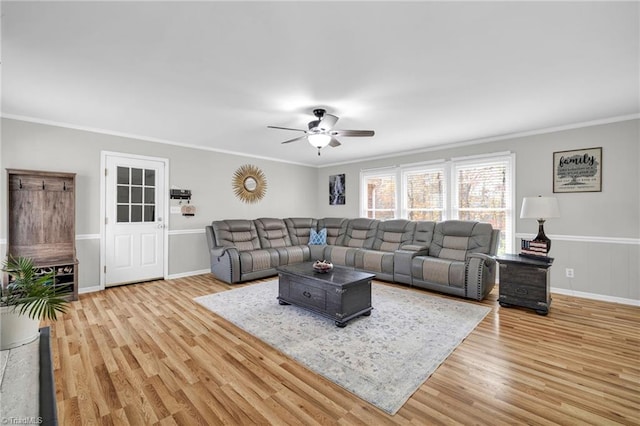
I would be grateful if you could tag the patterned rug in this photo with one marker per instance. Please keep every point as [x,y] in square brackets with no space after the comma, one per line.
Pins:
[383,358]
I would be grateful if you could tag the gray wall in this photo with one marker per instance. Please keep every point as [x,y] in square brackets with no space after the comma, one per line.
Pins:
[208,174]
[598,234]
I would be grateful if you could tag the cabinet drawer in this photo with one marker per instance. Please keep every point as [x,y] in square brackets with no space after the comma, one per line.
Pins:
[526,275]
[522,290]
[308,295]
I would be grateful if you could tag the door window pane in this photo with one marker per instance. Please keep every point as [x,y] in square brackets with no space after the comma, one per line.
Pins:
[136,194]
[123,213]
[136,176]
[149,177]
[123,194]
[136,213]
[149,195]
[123,175]
[149,213]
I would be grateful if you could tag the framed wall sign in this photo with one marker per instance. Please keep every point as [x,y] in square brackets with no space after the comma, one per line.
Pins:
[579,170]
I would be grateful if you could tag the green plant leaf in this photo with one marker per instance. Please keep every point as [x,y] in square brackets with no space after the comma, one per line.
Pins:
[34,294]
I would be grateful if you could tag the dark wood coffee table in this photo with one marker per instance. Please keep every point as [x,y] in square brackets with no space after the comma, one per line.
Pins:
[341,294]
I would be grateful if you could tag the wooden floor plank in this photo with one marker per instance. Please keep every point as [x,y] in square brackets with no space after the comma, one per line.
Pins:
[148,354]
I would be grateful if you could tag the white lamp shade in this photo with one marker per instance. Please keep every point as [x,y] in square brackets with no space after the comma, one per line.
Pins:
[319,140]
[539,208]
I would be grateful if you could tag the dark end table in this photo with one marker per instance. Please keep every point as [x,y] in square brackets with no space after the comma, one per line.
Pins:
[524,281]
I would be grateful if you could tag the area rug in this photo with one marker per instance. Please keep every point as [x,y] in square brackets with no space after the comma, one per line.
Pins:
[382,358]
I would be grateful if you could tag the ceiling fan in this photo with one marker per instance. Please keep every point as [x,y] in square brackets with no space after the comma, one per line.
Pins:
[321,133]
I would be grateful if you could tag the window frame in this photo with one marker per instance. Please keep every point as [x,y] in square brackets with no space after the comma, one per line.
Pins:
[377,173]
[506,159]
[415,169]
[449,168]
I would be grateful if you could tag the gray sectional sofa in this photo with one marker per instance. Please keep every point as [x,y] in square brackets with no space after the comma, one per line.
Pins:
[453,257]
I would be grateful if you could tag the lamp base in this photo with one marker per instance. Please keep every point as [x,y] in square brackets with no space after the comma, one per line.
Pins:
[541,237]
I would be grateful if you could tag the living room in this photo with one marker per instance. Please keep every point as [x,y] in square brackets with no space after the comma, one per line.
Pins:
[597,235]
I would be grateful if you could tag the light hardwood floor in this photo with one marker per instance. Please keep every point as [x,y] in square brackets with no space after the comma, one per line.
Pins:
[147,354]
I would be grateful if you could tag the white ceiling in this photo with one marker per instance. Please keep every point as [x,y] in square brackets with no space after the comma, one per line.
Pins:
[421,74]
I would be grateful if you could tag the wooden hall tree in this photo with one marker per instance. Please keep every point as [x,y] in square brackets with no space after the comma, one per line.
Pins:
[41,223]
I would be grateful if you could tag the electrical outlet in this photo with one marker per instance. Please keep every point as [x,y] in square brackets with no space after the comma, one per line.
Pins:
[569,272]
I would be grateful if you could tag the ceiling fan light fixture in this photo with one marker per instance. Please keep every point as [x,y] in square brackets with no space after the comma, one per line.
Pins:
[319,140]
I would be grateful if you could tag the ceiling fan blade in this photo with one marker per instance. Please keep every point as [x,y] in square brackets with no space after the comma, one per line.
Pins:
[334,142]
[286,128]
[353,133]
[295,139]
[328,121]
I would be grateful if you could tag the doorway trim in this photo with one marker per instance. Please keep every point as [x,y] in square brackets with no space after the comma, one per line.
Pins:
[103,197]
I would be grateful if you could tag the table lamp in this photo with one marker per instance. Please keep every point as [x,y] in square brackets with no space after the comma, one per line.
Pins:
[540,208]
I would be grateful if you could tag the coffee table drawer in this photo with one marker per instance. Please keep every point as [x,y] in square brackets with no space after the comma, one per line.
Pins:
[308,295]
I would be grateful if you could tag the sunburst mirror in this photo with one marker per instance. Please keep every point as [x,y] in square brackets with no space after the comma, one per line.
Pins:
[249,183]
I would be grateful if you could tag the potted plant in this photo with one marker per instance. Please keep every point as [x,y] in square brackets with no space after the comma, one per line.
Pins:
[25,300]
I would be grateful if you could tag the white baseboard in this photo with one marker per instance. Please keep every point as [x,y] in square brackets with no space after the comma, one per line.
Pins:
[593,296]
[83,290]
[93,289]
[187,274]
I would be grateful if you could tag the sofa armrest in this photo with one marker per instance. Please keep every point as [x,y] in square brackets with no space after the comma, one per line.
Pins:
[490,260]
[220,251]
[480,275]
[402,260]
[225,263]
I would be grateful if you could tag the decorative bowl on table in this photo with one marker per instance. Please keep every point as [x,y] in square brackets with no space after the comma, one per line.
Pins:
[322,266]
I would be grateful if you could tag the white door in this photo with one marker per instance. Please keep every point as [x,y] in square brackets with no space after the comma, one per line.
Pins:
[134,224]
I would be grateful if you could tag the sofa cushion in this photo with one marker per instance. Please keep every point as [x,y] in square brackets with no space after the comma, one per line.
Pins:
[336,227]
[393,234]
[440,271]
[239,233]
[360,233]
[318,238]
[454,239]
[258,260]
[299,229]
[272,233]
[339,255]
[293,254]
[374,261]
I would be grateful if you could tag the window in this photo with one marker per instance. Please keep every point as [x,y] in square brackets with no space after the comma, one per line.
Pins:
[379,191]
[424,193]
[482,192]
[479,188]
[136,195]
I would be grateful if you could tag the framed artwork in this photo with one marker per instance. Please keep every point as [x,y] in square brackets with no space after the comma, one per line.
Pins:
[337,188]
[579,170]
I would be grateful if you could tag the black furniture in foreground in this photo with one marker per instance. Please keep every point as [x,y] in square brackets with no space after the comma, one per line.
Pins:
[524,282]
[340,294]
